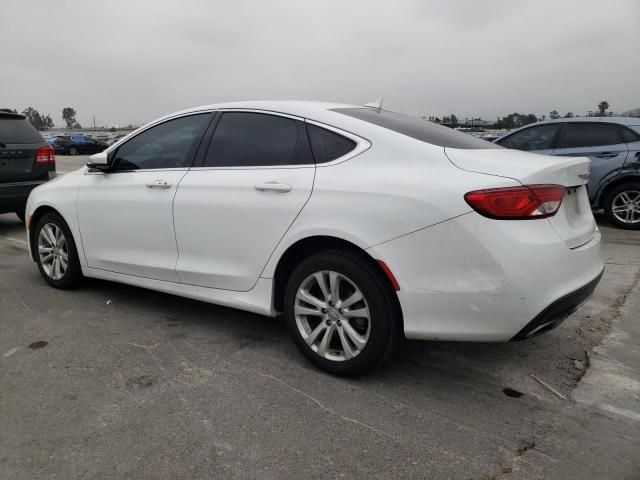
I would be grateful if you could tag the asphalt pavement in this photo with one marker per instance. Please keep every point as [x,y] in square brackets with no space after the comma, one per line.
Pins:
[112,381]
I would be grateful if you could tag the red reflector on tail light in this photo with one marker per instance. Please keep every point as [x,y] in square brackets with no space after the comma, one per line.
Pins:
[517,203]
[45,156]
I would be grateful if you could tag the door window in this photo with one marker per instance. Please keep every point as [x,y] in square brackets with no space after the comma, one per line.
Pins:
[171,144]
[533,138]
[245,139]
[577,135]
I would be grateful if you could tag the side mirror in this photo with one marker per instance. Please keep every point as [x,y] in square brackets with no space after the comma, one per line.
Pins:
[99,161]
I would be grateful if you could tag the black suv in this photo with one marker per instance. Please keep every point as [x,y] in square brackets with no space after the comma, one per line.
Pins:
[26,161]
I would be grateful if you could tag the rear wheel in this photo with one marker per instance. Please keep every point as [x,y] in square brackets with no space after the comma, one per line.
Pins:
[622,206]
[74,151]
[56,253]
[341,312]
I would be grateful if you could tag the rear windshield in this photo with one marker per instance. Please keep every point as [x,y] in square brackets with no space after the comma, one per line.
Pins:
[18,130]
[417,128]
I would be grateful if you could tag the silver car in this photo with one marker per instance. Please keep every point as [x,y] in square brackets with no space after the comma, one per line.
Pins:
[612,143]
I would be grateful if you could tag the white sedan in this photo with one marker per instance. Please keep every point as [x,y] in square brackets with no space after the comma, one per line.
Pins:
[361,225]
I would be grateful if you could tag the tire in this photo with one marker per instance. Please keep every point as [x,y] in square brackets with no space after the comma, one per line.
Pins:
[73,151]
[353,273]
[20,214]
[56,228]
[622,206]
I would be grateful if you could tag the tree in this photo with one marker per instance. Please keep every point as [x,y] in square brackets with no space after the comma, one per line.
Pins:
[569,115]
[515,120]
[553,115]
[41,122]
[76,125]
[69,116]
[454,121]
[602,107]
[47,122]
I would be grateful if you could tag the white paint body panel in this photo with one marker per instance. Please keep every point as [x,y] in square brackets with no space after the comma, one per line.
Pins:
[127,227]
[226,229]
[462,276]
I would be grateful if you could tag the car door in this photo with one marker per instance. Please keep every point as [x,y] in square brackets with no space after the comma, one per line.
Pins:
[235,205]
[536,139]
[600,141]
[125,215]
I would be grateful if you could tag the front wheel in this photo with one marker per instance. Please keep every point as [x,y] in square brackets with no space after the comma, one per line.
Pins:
[622,206]
[74,151]
[56,253]
[342,313]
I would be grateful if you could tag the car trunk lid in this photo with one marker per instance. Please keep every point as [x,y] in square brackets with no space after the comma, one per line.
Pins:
[574,220]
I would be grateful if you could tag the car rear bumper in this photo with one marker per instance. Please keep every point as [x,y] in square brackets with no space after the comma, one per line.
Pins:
[476,279]
[13,196]
[558,311]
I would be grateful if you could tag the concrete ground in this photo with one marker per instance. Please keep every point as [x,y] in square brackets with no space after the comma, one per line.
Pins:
[112,381]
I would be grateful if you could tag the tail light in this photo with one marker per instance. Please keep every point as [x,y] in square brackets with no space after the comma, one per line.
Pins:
[46,156]
[517,203]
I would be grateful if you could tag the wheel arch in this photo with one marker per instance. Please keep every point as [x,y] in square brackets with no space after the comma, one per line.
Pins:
[613,183]
[32,221]
[307,246]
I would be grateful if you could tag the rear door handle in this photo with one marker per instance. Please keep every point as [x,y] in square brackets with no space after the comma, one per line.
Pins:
[607,155]
[159,184]
[273,187]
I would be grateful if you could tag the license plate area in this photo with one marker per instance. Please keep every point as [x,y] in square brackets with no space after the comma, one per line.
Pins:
[572,202]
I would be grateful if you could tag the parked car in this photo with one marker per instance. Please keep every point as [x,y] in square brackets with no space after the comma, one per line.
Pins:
[76,144]
[612,144]
[361,225]
[26,161]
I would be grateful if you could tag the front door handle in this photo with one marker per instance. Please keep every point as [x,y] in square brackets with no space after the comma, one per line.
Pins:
[159,184]
[607,155]
[273,187]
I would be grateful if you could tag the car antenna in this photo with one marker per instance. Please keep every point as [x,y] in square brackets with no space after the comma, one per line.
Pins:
[377,103]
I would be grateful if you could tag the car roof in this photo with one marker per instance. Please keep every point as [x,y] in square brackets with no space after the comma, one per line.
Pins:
[6,113]
[612,119]
[300,108]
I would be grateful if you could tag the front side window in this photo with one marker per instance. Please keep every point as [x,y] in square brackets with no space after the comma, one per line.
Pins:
[246,139]
[577,135]
[533,138]
[172,144]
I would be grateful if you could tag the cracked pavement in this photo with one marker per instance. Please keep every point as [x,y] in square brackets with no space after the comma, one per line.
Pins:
[112,381]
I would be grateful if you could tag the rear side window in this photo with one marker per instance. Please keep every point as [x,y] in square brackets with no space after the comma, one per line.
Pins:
[535,138]
[171,144]
[246,139]
[18,130]
[578,135]
[629,135]
[328,145]
[417,128]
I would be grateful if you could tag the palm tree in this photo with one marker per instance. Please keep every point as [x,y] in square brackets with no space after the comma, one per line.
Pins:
[602,106]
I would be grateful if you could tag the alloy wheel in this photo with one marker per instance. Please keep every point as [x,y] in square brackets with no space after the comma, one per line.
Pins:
[53,251]
[332,315]
[625,207]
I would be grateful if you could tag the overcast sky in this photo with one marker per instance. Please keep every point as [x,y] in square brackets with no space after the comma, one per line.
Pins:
[132,61]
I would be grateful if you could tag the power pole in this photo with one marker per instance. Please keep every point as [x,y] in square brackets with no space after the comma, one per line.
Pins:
[94,123]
